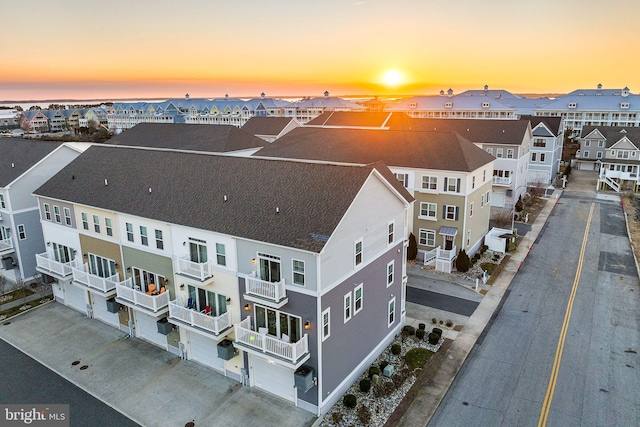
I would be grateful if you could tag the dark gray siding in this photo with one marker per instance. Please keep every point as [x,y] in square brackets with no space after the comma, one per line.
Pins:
[62,205]
[350,343]
[299,305]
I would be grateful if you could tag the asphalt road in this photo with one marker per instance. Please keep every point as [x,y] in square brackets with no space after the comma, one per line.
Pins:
[24,380]
[441,301]
[505,380]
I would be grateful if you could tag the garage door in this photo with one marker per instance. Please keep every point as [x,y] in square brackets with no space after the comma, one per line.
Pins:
[147,328]
[100,311]
[273,378]
[205,351]
[497,200]
[76,297]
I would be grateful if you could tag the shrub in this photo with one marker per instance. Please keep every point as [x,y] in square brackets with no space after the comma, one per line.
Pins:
[349,401]
[441,322]
[472,261]
[336,417]
[365,385]
[410,330]
[383,389]
[437,331]
[434,338]
[383,364]
[449,323]
[434,320]
[417,357]
[374,370]
[364,415]
[476,256]
[412,250]
[396,349]
[420,334]
[422,326]
[462,262]
[484,248]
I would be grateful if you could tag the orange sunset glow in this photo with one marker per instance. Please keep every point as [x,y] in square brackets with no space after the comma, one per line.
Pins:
[124,49]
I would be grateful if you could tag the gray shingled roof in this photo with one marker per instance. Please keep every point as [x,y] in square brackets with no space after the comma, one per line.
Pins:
[351,119]
[18,155]
[181,136]
[421,150]
[553,123]
[266,125]
[282,202]
[614,134]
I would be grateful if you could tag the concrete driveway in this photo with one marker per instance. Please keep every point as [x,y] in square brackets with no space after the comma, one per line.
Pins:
[145,383]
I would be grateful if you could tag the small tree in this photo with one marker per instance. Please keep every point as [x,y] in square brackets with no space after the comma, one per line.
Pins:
[412,250]
[462,262]
[519,205]
[24,291]
[502,218]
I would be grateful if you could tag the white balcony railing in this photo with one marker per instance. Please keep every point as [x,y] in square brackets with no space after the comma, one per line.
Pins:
[216,325]
[197,270]
[273,291]
[499,180]
[126,292]
[83,276]
[63,269]
[446,254]
[6,245]
[630,176]
[269,344]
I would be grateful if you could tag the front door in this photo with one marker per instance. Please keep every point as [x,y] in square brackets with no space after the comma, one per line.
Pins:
[269,268]
[448,243]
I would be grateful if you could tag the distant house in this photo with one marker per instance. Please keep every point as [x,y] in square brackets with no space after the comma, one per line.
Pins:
[34,121]
[270,128]
[545,149]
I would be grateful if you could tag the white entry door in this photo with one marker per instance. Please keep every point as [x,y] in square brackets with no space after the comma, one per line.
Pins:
[273,378]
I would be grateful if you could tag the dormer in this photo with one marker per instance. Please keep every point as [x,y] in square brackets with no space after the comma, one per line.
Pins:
[448,104]
[413,105]
[624,105]
[572,105]
[441,93]
[485,105]
[599,86]
[486,88]
[262,95]
[625,92]
[450,92]
[326,93]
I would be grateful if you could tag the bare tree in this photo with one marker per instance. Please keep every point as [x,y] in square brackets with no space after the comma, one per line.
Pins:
[23,290]
[39,287]
[502,218]
[3,286]
[538,186]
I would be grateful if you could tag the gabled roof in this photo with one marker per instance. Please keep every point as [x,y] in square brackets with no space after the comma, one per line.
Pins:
[445,151]
[553,123]
[266,125]
[491,131]
[329,103]
[542,131]
[31,114]
[613,134]
[180,136]
[19,155]
[351,119]
[294,204]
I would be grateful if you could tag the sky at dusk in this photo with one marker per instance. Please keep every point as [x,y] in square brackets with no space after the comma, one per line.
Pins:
[78,49]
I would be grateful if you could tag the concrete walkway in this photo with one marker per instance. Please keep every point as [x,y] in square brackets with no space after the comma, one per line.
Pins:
[428,398]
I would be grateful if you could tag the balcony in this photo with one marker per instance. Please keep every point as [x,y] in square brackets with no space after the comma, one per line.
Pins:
[6,246]
[627,176]
[104,285]
[272,294]
[499,180]
[182,315]
[200,271]
[292,354]
[126,294]
[47,265]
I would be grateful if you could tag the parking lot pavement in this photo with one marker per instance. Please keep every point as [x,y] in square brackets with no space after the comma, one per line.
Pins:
[147,384]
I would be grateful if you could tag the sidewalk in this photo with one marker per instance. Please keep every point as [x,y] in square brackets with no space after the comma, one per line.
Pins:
[428,398]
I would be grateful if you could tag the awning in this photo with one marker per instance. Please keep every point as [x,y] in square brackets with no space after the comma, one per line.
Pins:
[448,231]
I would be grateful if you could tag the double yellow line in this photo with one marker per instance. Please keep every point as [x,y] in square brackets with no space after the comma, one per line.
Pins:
[544,413]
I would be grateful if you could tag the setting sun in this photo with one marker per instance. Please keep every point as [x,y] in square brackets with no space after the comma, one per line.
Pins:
[392,78]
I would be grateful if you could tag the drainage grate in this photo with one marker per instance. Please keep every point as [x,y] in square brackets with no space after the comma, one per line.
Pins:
[6,323]
[75,362]
[83,367]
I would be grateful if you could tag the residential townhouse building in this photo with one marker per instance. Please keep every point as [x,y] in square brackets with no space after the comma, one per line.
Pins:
[270,128]
[613,151]
[24,166]
[255,286]
[9,119]
[34,121]
[545,149]
[450,178]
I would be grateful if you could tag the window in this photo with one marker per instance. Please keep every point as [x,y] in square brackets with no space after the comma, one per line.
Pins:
[599,155]
[429,182]
[129,227]
[468,237]
[22,234]
[215,304]
[450,212]
[326,331]
[542,156]
[159,241]
[67,216]
[221,254]
[587,143]
[539,142]
[269,267]
[428,210]
[600,144]
[3,205]
[56,214]
[357,299]
[102,267]
[358,252]
[499,153]
[47,212]
[403,178]
[471,209]
[96,223]
[63,254]
[484,175]
[347,307]
[392,311]
[85,221]
[197,250]
[452,185]
[584,154]
[473,182]
[510,153]
[533,156]
[298,272]
[144,238]
[427,237]
[108,227]
[390,232]
[488,196]
[390,268]
[490,150]
[144,278]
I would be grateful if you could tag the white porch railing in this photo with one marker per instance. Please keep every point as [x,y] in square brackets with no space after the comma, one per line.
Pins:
[126,292]
[446,255]
[103,284]
[274,291]
[628,176]
[6,245]
[269,344]
[216,325]
[430,256]
[498,180]
[56,267]
[197,270]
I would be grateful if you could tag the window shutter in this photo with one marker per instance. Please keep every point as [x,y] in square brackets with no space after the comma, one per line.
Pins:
[456,213]
[458,186]
[444,211]
[446,183]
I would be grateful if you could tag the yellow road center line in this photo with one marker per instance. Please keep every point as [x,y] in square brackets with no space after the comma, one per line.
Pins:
[544,413]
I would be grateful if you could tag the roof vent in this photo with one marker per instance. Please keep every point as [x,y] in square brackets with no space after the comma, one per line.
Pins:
[277,209]
[326,93]
[225,197]
[502,130]
[13,165]
[105,182]
[226,96]
[486,88]
[149,189]
[441,93]
[599,86]
[450,92]
[262,95]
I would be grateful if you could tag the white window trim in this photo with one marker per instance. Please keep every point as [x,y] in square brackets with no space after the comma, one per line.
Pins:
[428,217]
[355,309]
[57,216]
[392,264]
[355,253]
[391,226]
[471,210]
[390,322]
[67,217]
[326,312]
[47,211]
[348,307]
[21,232]
[293,272]
[446,210]
[427,231]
